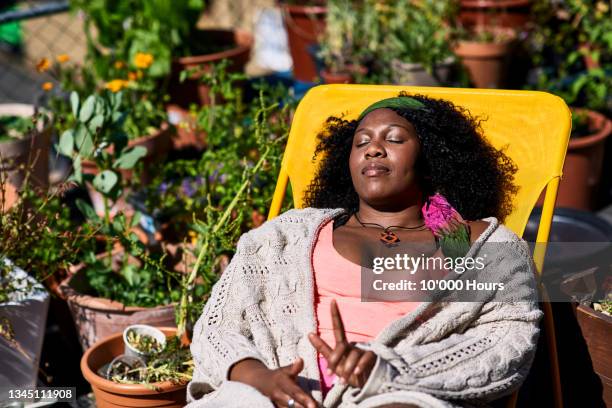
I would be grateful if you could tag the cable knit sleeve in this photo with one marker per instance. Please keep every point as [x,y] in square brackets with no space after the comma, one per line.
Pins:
[481,357]
[222,334]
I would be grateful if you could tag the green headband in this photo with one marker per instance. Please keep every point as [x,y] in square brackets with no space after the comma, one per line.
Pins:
[399,102]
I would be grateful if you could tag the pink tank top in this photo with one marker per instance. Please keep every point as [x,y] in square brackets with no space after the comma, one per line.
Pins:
[338,278]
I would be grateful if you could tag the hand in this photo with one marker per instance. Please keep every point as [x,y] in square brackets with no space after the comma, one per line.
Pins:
[351,364]
[279,385]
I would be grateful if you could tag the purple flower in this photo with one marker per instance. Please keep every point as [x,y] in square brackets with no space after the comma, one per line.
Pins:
[163,187]
[187,188]
[199,181]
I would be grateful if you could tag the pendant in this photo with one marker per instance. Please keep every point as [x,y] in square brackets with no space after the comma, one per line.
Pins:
[389,238]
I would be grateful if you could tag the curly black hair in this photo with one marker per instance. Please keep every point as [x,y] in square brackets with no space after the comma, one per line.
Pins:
[456,161]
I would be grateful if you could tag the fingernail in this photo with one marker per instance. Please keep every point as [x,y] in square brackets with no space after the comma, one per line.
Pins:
[328,371]
[342,380]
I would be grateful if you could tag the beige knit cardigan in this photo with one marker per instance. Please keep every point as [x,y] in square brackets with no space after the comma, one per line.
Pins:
[443,354]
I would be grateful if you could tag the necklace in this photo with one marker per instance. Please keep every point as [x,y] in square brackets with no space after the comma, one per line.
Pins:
[387,236]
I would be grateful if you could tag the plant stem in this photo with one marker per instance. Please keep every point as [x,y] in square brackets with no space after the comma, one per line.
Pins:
[188,283]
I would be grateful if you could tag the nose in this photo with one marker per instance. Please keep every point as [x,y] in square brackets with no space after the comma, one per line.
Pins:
[375,149]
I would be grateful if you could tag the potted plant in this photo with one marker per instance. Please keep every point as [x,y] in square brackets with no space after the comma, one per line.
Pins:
[119,381]
[343,42]
[32,238]
[305,21]
[168,31]
[24,147]
[579,74]
[485,53]
[125,284]
[413,44]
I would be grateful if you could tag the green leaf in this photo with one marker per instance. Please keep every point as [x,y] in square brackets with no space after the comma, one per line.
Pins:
[87,109]
[77,173]
[95,123]
[130,157]
[74,103]
[66,143]
[105,181]
[87,210]
[136,219]
[83,141]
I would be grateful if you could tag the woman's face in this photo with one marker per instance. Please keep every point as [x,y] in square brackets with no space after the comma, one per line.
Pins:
[383,159]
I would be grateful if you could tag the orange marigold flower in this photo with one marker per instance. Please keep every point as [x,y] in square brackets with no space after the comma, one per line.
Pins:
[119,64]
[116,85]
[63,58]
[143,60]
[43,65]
[132,76]
[47,86]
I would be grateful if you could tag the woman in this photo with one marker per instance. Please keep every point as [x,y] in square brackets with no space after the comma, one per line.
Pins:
[286,325]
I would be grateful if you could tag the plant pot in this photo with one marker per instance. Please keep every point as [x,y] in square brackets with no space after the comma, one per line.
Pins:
[596,329]
[513,14]
[17,156]
[110,394]
[408,73]
[186,136]
[304,24]
[336,77]
[485,62]
[191,91]
[27,316]
[583,164]
[96,317]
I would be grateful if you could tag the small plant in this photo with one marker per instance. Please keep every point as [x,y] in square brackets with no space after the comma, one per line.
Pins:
[572,48]
[15,127]
[139,90]
[135,276]
[238,169]
[143,342]
[174,363]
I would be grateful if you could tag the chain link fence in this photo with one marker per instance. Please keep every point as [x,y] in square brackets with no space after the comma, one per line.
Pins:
[31,30]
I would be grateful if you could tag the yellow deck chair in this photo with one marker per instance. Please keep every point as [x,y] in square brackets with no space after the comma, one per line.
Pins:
[535,127]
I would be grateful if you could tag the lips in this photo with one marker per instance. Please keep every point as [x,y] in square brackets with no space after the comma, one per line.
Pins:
[375,170]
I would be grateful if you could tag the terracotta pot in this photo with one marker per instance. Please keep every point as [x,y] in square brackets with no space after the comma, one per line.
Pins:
[596,329]
[110,394]
[336,77]
[186,135]
[485,62]
[18,156]
[191,91]
[583,164]
[304,24]
[500,13]
[494,4]
[96,317]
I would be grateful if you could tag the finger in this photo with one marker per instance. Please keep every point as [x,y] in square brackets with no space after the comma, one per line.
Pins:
[294,368]
[319,344]
[280,398]
[337,323]
[362,371]
[336,357]
[299,396]
[348,365]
